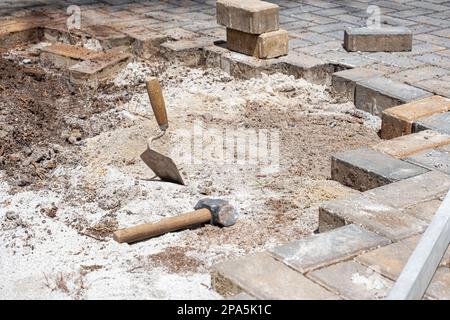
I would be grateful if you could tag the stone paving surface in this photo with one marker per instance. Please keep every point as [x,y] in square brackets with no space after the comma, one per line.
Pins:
[316,28]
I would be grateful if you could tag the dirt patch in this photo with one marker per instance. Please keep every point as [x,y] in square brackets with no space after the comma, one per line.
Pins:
[175,260]
[41,113]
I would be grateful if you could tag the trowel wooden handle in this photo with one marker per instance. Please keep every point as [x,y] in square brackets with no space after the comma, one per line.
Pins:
[149,230]
[157,101]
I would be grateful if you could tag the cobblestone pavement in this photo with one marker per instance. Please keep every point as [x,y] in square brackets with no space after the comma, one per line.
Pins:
[315,27]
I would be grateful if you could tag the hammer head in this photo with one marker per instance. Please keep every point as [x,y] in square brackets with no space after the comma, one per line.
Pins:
[222,213]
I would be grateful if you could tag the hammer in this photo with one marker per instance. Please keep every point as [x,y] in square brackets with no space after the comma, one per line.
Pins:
[215,211]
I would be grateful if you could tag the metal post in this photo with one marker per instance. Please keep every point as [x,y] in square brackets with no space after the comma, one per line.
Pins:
[421,267]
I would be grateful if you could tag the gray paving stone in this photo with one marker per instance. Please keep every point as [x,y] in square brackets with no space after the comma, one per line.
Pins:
[263,277]
[390,260]
[412,76]
[327,248]
[377,94]
[312,37]
[424,210]
[364,169]
[431,38]
[321,47]
[378,39]
[344,82]
[440,86]
[402,194]
[346,59]
[437,159]
[371,214]
[352,280]
[438,122]
[435,59]
[396,59]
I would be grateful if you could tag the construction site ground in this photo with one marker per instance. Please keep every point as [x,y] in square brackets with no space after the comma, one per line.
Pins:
[71,173]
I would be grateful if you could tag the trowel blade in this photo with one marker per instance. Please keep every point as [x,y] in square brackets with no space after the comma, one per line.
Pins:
[162,166]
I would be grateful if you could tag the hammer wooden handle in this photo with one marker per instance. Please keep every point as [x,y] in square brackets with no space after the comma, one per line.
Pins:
[157,101]
[149,230]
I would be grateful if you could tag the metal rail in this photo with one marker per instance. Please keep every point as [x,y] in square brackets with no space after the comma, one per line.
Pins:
[422,264]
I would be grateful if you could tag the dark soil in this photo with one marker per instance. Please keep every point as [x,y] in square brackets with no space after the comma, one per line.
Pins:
[41,113]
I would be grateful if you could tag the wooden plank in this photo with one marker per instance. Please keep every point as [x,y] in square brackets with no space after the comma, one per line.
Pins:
[421,267]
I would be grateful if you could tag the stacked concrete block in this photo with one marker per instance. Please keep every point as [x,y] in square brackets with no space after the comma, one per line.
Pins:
[400,120]
[372,39]
[253,28]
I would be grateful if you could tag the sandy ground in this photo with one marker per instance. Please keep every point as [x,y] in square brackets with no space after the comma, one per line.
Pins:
[55,239]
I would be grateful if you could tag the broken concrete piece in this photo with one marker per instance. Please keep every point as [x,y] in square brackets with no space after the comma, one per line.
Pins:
[264,46]
[251,16]
[373,39]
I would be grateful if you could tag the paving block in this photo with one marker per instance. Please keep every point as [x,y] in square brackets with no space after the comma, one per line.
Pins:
[424,210]
[439,86]
[388,39]
[327,248]
[344,82]
[377,94]
[66,55]
[439,287]
[398,121]
[404,146]
[187,51]
[251,16]
[437,159]
[390,260]
[353,281]
[371,215]
[263,277]
[100,68]
[108,37]
[145,43]
[305,66]
[364,169]
[408,192]
[265,46]
[439,122]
